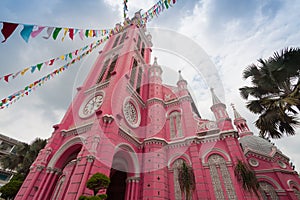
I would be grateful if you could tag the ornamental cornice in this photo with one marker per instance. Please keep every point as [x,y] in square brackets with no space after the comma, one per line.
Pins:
[77,130]
[128,136]
[113,51]
[263,156]
[97,88]
[285,171]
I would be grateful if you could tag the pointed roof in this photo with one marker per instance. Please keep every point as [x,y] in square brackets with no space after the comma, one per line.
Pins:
[235,112]
[215,99]
[180,76]
[155,62]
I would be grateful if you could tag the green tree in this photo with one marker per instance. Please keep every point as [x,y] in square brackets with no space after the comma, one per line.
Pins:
[246,176]
[186,180]
[275,95]
[98,181]
[20,162]
[10,190]
[23,156]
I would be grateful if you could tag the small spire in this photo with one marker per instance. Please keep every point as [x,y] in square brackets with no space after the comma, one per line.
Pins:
[235,112]
[180,76]
[155,61]
[215,99]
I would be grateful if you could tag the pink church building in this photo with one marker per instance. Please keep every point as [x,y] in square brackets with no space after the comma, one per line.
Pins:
[126,123]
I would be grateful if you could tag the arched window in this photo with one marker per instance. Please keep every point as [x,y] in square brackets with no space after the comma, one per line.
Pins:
[177,163]
[59,187]
[268,191]
[175,125]
[218,169]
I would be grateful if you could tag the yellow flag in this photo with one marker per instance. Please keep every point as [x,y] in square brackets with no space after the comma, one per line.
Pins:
[65,33]
[24,71]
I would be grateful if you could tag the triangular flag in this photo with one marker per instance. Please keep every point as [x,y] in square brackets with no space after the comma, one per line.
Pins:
[49,32]
[33,68]
[56,32]
[81,34]
[25,33]
[6,77]
[51,62]
[39,66]
[8,29]
[24,71]
[71,33]
[65,33]
[36,32]
[16,74]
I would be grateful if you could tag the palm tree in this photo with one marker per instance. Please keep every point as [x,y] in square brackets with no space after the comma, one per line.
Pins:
[186,180]
[246,176]
[23,156]
[275,94]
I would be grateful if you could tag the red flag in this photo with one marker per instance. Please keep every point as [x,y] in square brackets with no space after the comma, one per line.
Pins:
[8,29]
[71,33]
[6,77]
[51,62]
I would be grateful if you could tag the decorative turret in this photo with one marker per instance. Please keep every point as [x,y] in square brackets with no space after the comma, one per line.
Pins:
[221,115]
[181,83]
[155,72]
[240,123]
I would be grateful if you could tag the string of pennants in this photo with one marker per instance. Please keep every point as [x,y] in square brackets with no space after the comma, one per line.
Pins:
[4,103]
[31,31]
[65,57]
[28,31]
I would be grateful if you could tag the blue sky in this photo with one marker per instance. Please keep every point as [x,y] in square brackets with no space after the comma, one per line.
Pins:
[234,34]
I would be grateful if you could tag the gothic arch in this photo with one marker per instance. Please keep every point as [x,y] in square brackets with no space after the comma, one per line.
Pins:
[173,110]
[292,184]
[66,149]
[177,156]
[129,160]
[269,180]
[218,151]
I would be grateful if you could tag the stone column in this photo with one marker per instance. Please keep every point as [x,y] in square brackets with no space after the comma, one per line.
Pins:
[38,170]
[40,196]
[90,160]
[51,186]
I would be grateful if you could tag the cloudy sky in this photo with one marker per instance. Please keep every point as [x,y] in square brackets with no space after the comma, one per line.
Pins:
[233,33]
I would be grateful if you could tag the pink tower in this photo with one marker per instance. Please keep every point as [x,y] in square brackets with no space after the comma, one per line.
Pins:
[126,123]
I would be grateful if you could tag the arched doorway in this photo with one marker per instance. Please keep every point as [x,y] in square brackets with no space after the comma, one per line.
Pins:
[117,186]
[123,174]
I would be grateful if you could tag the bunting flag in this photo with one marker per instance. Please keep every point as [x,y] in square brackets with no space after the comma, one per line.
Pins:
[32,69]
[155,10]
[32,31]
[4,103]
[8,29]
[125,9]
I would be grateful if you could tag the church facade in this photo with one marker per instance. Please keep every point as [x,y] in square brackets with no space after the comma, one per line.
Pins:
[126,123]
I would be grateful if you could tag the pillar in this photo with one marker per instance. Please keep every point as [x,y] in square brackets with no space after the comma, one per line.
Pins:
[85,176]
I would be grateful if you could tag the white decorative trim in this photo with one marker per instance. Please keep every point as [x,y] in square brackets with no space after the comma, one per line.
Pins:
[293,183]
[132,154]
[176,156]
[63,148]
[270,180]
[86,100]
[214,150]
[138,112]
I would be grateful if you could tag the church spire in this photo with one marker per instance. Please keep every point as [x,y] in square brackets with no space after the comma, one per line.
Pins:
[155,72]
[240,123]
[221,115]
[215,99]
[181,83]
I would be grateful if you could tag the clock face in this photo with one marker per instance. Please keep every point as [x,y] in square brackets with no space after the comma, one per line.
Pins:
[131,113]
[91,105]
